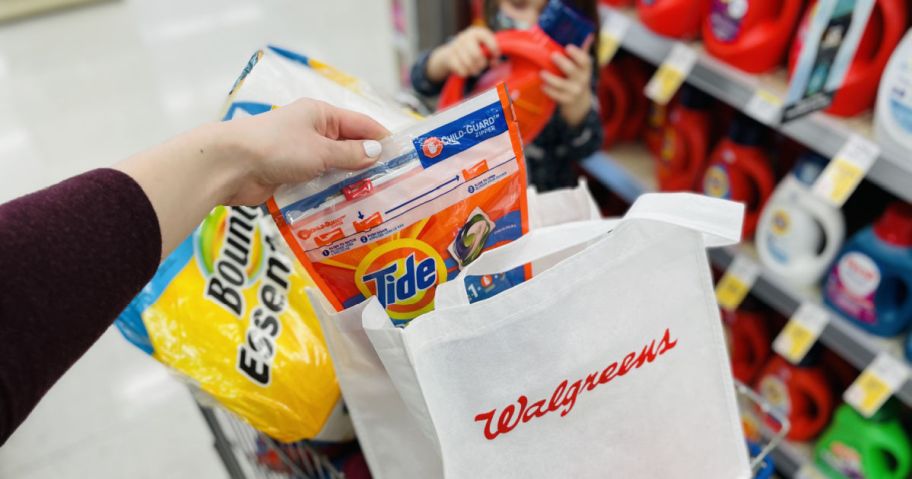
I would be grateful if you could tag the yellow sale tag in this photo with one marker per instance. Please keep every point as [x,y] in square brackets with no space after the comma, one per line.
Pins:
[736,283]
[612,34]
[801,332]
[765,106]
[607,48]
[809,471]
[884,376]
[841,177]
[671,74]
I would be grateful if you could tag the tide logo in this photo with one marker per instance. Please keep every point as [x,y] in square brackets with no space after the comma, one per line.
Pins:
[780,223]
[432,147]
[715,183]
[402,274]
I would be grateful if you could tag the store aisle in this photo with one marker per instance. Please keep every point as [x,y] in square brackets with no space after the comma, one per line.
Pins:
[84,88]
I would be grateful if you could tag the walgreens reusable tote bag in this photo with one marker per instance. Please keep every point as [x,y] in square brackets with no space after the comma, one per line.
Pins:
[609,364]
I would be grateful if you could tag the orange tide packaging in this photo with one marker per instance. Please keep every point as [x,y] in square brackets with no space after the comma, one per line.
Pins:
[445,190]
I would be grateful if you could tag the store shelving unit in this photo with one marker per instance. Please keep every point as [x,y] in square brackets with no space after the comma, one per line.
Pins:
[628,170]
[822,132]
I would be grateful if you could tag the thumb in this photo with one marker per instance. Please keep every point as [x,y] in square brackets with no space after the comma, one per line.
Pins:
[351,154]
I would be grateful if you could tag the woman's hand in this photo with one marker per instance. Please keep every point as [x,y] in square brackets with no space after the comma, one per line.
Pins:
[572,91]
[463,55]
[243,161]
[296,143]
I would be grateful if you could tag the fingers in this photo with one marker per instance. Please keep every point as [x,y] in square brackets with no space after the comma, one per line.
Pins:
[560,83]
[565,65]
[352,125]
[486,37]
[560,96]
[349,154]
[580,57]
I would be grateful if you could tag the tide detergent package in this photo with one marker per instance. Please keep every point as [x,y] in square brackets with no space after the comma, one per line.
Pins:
[228,310]
[444,190]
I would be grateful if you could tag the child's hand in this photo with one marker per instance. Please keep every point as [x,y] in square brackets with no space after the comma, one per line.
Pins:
[571,92]
[463,55]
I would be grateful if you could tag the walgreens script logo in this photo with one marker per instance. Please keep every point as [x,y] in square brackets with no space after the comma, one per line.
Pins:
[565,394]
[306,233]
[432,147]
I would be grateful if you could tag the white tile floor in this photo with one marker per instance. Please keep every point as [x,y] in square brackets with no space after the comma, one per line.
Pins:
[87,87]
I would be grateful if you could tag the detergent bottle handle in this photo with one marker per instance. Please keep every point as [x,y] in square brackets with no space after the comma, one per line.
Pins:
[883,444]
[789,11]
[807,382]
[833,232]
[612,86]
[533,45]
[697,155]
[763,179]
[891,33]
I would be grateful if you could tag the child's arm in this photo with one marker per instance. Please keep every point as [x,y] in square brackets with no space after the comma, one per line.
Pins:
[464,55]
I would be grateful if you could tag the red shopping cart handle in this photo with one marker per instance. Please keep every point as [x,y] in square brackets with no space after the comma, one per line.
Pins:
[528,52]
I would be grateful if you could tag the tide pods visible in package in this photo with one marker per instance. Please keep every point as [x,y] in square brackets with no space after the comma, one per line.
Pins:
[444,190]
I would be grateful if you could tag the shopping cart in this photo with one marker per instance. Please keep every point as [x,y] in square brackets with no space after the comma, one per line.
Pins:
[249,454]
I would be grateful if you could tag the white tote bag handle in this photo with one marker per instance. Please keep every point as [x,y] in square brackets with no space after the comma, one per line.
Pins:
[719,220]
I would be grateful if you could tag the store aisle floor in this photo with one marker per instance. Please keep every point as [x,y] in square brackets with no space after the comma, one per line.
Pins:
[84,88]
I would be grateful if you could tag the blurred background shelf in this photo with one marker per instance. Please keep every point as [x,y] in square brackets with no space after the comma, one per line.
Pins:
[823,133]
[627,170]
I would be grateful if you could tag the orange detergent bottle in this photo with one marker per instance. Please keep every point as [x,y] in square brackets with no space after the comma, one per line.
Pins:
[883,32]
[673,18]
[739,170]
[801,392]
[683,156]
[752,35]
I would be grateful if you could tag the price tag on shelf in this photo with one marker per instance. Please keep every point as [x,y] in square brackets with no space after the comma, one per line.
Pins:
[611,36]
[809,471]
[883,377]
[671,74]
[765,106]
[801,332]
[846,170]
[737,281]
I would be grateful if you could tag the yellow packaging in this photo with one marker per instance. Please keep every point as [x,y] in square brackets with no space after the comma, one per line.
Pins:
[228,310]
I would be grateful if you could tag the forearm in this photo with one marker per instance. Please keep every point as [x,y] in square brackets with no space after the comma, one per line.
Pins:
[73,256]
[186,177]
[422,81]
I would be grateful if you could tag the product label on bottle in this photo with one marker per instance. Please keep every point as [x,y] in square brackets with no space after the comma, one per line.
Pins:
[775,391]
[843,458]
[852,285]
[715,182]
[779,229]
[726,17]
[901,95]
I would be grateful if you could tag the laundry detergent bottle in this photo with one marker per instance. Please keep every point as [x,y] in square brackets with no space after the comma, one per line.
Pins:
[871,281]
[748,341]
[882,33]
[893,113]
[752,35]
[673,18]
[798,233]
[685,148]
[853,447]
[801,392]
[739,170]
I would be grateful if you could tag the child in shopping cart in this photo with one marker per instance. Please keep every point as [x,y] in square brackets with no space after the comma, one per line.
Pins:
[574,131]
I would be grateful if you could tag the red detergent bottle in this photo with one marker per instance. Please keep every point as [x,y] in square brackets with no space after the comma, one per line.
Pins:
[748,342]
[883,32]
[801,392]
[624,107]
[673,18]
[739,170]
[751,35]
[682,158]
[527,53]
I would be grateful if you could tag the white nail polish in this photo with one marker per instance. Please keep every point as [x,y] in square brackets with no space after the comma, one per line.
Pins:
[372,148]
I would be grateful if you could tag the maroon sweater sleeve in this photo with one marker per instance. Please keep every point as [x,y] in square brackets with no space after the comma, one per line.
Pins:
[72,256]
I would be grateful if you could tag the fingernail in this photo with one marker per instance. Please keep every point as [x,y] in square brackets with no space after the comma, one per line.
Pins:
[372,148]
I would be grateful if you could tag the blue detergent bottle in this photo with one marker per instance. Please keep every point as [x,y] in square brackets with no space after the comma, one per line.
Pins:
[871,281]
